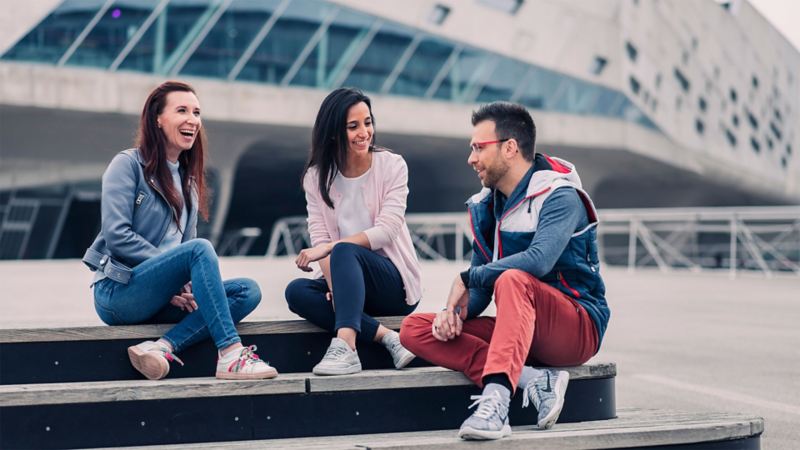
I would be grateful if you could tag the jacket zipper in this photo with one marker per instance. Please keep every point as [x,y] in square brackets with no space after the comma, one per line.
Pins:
[566,285]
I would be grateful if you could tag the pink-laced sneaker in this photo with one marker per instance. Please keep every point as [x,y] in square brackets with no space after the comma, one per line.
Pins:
[244,364]
[152,359]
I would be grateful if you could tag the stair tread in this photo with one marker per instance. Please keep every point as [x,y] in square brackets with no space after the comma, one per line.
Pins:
[632,427]
[102,333]
[292,383]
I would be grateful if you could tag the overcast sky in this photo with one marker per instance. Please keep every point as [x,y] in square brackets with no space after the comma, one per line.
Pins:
[784,15]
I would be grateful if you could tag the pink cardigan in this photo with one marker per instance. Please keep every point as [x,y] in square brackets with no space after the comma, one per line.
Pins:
[385,193]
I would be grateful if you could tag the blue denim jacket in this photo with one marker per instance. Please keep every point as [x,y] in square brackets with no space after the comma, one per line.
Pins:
[503,239]
[135,217]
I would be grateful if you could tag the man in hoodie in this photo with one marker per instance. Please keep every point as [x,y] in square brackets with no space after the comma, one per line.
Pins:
[535,249]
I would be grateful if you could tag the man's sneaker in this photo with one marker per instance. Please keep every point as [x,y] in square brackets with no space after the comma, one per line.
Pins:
[340,359]
[547,394]
[400,355]
[152,359]
[244,364]
[489,421]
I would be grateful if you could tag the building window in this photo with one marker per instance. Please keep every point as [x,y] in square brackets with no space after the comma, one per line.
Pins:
[788,149]
[751,118]
[735,120]
[635,85]
[770,144]
[701,103]
[439,14]
[731,137]
[509,6]
[754,80]
[755,145]
[699,126]
[784,162]
[775,130]
[631,50]
[778,115]
[682,80]
[598,64]
[733,95]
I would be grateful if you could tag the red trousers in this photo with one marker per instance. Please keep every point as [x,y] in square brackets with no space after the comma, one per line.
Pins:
[536,324]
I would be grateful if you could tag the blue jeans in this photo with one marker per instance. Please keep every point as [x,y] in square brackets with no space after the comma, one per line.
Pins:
[146,297]
[364,284]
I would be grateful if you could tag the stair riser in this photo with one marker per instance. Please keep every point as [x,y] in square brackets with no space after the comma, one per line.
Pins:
[272,416]
[106,360]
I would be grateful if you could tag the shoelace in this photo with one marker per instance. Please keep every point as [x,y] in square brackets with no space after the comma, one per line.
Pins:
[487,404]
[526,395]
[335,352]
[168,354]
[246,357]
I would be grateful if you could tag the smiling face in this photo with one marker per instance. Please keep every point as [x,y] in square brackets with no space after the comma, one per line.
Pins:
[180,122]
[485,155]
[359,128]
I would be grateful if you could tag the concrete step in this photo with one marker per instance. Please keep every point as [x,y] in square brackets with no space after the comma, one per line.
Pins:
[633,428]
[191,410]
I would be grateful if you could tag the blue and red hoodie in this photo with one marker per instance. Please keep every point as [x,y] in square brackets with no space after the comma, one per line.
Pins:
[546,227]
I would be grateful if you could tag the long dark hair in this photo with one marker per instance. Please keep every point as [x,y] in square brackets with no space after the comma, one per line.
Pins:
[152,145]
[329,142]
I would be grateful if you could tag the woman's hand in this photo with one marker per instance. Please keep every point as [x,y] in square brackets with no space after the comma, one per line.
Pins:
[309,255]
[185,299]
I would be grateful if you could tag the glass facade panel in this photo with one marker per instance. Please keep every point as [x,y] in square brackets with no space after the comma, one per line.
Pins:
[413,59]
[422,68]
[48,41]
[377,62]
[467,72]
[225,43]
[112,32]
[334,50]
[177,24]
[542,86]
[283,44]
[503,82]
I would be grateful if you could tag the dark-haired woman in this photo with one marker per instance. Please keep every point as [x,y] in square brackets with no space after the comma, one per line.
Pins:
[356,200]
[149,267]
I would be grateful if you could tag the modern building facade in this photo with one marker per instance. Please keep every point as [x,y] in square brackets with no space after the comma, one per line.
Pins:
[659,103]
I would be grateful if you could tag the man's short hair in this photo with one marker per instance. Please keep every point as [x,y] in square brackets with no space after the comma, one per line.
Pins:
[512,121]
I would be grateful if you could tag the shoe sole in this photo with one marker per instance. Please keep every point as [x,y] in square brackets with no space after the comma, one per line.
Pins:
[560,388]
[327,372]
[148,364]
[247,376]
[404,361]
[471,434]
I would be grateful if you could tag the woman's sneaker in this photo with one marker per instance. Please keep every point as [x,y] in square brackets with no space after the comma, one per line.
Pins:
[152,359]
[340,359]
[244,364]
[400,355]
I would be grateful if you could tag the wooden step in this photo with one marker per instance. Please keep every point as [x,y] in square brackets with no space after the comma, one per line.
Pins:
[53,355]
[633,428]
[190,410]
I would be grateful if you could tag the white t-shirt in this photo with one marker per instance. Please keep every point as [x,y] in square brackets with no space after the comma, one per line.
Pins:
[352,215]
[174,235]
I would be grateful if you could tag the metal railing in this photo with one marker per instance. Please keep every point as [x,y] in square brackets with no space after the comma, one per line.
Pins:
[763,239]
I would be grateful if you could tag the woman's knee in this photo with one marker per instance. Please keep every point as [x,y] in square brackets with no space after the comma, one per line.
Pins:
[250,292]
[297,293]
[344,251]
[202,248]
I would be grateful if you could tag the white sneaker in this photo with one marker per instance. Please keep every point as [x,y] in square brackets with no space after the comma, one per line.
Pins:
[340,359]
[244,364]
[400,355]
[152,359]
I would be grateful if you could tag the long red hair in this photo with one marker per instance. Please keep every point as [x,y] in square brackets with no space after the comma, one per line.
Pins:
[152,145]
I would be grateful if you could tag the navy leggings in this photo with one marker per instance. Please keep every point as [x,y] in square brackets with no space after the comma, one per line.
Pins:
[364,284]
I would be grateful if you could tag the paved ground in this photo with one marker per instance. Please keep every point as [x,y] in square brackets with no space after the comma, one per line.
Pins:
[681,341]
